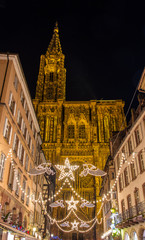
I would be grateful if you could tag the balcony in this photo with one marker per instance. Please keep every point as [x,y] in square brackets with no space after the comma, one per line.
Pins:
[132,216]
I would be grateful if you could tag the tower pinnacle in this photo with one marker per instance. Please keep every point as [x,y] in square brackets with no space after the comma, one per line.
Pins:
[54,46]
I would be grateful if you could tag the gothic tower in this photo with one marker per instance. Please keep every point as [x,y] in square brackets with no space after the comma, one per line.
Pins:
[79,130]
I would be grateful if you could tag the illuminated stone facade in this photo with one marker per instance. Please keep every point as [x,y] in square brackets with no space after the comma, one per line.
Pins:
[79,130]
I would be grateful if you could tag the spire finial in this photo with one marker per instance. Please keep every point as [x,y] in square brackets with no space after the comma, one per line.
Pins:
[56,28]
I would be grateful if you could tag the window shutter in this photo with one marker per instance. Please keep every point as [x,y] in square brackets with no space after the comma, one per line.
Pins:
[10,135]
[5,126]
[10,98]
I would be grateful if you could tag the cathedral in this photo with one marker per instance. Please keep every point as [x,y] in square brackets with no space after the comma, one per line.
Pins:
[77,130]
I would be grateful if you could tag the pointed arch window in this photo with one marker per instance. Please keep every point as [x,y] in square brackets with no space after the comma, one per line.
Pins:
[71,131]
[51,76]
[82,131]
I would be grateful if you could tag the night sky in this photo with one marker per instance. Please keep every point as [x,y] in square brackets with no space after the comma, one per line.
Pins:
[103,42]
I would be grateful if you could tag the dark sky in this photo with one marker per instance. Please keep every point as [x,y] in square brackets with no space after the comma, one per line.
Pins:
[103,41]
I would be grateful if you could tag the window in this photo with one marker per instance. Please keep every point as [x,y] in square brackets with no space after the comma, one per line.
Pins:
[49,94]
[24,129]
[137,136]
[12,104]
[121,182]
[136,196]
[141,161]
[16,83]
[71,131]
[129,205]
[51,77]
[123,208]
[17,183]
[7,132]
[26,162]
[126,176]
[26,109]
[22,98]
[130,148]
[21,153]
[15,144]
[28,139]
[133,173]
[82,132]
[32,150]
[2,163]
[19,119]
[11,177]
[24,189]
[28,196]
[118,161]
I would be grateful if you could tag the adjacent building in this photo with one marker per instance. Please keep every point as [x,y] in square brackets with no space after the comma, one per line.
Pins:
[20,193]
[128,156]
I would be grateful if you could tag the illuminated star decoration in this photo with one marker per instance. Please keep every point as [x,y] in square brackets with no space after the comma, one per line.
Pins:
[74,225]
[66,170]
[72,203]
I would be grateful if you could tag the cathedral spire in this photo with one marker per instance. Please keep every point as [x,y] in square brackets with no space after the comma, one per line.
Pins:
[54,47]
[51,81]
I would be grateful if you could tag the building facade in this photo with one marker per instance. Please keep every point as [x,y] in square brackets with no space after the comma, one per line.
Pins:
[129,160]
[77,130]
[20,193]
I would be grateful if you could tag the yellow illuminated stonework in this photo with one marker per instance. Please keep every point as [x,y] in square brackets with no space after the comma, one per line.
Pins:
[78,130]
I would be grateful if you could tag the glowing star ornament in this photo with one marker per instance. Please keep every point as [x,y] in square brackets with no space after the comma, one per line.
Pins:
[72,203]
[74,225]
[66,170]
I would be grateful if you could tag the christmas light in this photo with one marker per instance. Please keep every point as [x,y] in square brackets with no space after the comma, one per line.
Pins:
[92,170]
[66,170]
[74,225]
[72,203]
[58,203]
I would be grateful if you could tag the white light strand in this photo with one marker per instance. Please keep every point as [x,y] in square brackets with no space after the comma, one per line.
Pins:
[83,199]
[118,174]
[31,197]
